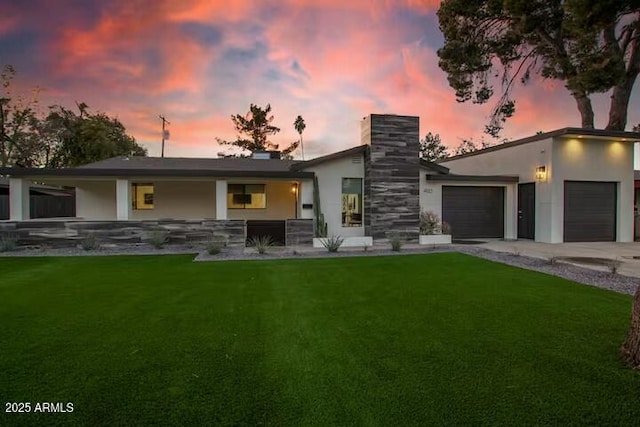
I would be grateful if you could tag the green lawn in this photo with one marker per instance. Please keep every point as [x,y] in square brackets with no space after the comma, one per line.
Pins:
[441,339]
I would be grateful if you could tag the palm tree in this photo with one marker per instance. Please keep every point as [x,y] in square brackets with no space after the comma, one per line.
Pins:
[300,126]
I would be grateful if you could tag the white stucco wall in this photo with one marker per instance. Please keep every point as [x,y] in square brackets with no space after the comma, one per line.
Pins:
[178,200]
[96,200]
[585,159]
[579,159]
[281,201]
[330,174]
[431,199]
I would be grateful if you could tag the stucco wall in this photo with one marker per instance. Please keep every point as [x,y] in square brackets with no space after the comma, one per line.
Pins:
[579,159]
[584,159]
[431,200]
[281,202]
[96,200]
[179,200]
[520,160]
[330,174]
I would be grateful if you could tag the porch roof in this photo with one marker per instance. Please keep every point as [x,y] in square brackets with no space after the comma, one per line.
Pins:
[170,167]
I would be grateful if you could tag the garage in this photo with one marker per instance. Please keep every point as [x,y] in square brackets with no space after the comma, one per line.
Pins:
[474,211]
[589,211]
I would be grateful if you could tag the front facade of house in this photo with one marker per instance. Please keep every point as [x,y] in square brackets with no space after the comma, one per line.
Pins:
[566,185]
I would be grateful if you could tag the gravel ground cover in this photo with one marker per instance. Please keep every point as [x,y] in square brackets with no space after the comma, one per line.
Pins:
[580,274]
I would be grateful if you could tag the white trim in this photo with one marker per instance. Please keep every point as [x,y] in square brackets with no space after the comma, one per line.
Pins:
[221,199]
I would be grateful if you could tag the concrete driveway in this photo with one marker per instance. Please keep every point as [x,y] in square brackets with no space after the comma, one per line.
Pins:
[623,252]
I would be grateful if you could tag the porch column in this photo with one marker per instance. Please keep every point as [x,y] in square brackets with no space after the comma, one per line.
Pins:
[19,199]
[221,199]
[123,199]
[305,197]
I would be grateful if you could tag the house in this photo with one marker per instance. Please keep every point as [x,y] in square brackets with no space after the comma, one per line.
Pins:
[573,185]
[565,185]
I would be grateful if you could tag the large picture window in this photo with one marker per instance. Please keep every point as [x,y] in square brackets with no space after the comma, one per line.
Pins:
[246,196]
[352,202]
[142,196]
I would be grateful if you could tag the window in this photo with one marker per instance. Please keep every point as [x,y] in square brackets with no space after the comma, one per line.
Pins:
[142,196]
[246,196]
[352,202]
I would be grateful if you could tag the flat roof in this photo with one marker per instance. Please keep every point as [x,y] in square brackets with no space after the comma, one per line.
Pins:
[474,178]
[564,132]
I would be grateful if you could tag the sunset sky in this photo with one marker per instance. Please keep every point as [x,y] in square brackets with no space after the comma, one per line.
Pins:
[199,62]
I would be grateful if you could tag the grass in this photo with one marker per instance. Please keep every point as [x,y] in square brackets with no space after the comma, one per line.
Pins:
[441,339]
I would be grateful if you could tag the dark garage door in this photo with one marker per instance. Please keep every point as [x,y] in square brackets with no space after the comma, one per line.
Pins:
[589,211]
[473,212]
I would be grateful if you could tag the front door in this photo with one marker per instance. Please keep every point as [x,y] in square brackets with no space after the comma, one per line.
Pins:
[526,210]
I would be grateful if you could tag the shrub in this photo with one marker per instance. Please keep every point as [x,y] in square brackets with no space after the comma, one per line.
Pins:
[445,228]
[158,238]
[89,242]
[8,243]
[396,242]
[332,243]
[429,223]
[261,243]
[214,247]
[614,265]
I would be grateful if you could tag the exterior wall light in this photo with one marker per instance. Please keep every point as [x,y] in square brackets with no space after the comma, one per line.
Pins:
[541,173]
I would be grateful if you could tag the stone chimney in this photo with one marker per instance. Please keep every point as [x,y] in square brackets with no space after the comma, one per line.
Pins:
[392,176]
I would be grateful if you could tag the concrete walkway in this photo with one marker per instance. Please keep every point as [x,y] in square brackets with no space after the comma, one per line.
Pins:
[623,252]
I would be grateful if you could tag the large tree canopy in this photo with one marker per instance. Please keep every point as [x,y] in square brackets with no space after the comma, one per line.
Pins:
[19,142]
[63,138]
[590,45]
[254,129]
[79,138]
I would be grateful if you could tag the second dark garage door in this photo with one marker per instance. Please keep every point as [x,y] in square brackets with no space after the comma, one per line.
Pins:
[589,211]
[474,212]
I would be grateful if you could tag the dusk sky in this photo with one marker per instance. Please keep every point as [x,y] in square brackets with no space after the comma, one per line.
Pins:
[199,62]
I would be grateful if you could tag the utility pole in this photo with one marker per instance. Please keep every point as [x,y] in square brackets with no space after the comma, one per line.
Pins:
[164,133]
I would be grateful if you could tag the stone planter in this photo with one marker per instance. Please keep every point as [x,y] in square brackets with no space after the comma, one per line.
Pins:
[435,239]
[349,242]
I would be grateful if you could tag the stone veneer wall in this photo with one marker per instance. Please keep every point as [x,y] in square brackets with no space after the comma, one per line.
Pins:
[392,176]
[299,232]
[70,233]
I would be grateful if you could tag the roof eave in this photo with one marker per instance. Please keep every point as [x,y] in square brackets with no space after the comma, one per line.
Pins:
[177,173]
[473,178]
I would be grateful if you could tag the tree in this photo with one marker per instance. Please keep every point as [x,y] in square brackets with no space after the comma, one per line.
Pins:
[79,138]
[469,145]
[19,144]
[591,46]
[254,129]
[300,126]
[630,350]
[465,146]
[431,148]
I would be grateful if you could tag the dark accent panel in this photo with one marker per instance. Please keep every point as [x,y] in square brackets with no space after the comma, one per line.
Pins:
[589,211]
[4,206]
[474,212]
[52,206]
[43,206]
[274,229]
[392,175]
[527,210]
[307,206]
